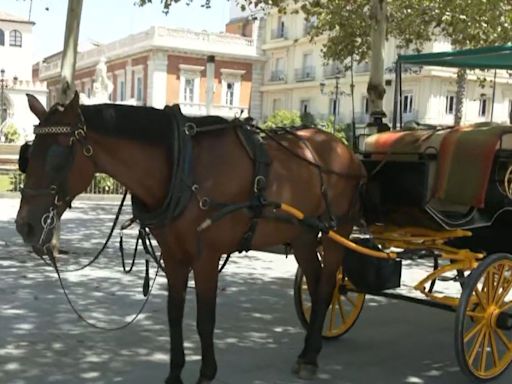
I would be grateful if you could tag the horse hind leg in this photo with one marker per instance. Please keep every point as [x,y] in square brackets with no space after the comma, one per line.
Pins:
[307,362]
[305,251]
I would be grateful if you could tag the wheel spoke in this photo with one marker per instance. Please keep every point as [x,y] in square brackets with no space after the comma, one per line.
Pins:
[475,314]
[333,317]
[504,293]
[472,332]
[501,276]
[351,301]
[474,350]
[487,285]
[504,339]
[480,297]
[494,348]
[483,353]
[342,314]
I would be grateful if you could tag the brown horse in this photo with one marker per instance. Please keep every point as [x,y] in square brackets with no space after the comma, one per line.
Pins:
[131,144]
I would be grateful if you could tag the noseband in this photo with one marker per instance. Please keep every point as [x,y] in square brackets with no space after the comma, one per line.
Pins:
[58,188]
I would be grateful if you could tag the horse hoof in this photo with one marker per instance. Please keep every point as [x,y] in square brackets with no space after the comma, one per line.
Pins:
[304,371]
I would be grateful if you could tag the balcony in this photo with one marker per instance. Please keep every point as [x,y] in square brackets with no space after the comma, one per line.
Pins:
[362,68]
[279,33]
[330,71]
[308,27]
[305,73]
[277,75]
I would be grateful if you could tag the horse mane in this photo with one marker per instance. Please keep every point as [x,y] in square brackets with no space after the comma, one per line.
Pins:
[146,124]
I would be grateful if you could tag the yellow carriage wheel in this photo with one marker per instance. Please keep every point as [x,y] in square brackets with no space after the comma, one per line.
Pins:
[343,312]
[483,337]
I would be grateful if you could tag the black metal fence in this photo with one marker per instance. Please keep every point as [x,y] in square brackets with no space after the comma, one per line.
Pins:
[101,184]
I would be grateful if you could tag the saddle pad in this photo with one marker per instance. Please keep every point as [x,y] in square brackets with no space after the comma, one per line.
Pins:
[465,161]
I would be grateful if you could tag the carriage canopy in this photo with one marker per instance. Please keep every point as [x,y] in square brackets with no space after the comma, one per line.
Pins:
[496,57]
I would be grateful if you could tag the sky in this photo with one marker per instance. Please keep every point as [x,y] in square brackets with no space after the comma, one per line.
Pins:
[107,20]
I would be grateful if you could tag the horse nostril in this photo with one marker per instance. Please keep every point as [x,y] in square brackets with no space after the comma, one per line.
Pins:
[25,229]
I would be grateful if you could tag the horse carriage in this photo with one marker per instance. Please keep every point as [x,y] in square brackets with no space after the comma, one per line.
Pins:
[205,187]
[441,194]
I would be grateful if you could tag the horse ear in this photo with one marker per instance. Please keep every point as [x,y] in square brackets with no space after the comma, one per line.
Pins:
[75,101]
[36,107]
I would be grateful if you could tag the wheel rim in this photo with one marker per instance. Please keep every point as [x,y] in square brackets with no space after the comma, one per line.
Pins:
[343,311]
[487,324]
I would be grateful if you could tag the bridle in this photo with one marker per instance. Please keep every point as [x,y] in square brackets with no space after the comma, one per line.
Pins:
[58,189]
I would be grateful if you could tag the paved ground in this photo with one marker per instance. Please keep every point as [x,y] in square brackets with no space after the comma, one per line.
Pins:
[257,334]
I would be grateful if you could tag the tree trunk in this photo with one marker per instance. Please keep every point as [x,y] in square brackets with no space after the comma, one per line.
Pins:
[67,85]
[69,53]
[462,76]
[375,89]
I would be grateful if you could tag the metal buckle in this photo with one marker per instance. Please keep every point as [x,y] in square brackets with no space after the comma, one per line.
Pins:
[87,150]
[190,129]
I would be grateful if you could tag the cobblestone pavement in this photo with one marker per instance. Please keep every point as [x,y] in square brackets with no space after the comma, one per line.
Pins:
[257,336]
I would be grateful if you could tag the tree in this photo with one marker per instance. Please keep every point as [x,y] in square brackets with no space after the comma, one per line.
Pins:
[358,28]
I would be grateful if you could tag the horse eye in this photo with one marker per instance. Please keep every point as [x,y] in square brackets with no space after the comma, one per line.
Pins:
[57,159]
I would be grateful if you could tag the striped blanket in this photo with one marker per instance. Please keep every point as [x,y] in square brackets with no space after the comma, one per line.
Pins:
[465,161]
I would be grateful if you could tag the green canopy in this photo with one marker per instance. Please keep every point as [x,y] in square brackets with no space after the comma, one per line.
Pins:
[497,57]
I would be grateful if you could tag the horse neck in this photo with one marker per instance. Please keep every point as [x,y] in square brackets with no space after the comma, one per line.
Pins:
[142,168]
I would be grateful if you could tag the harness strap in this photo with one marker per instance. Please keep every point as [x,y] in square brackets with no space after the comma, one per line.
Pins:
[257,151]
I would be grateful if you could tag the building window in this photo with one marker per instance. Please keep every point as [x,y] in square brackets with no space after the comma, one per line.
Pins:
[188,90]
[139,90]
[15,38]
[2,37]
[407,103]
[334,107]
[482,108]
[121,89]
[229,98]
[277,105]
[366,105]
[231,86]
[450,104]
[304,107]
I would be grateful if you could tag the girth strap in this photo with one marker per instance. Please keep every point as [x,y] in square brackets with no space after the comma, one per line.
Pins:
[255,147]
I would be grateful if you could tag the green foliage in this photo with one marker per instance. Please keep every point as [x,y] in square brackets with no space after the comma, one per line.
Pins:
[104,183]
[468,23]
[307,119]
[340,130]
[11,133]
[283,118]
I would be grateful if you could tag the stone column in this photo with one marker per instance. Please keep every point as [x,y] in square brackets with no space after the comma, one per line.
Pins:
[157,79]
[258,70]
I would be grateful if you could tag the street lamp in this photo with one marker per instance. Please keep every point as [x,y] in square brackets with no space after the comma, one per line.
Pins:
[4,84]
[336,93]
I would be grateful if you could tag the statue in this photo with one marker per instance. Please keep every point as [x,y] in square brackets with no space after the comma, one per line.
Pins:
[102,86]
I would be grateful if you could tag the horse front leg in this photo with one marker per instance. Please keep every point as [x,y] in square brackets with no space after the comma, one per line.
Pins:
[206,279]
[177,279]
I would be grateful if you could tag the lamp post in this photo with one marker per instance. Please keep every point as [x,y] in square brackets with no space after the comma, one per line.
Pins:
[336,93]
[4,84]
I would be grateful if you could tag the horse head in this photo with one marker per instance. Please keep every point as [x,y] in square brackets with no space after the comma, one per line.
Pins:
[58,168]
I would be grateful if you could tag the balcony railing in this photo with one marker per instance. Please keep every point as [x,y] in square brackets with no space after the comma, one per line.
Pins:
[279,33]
[362,68]
[332,70]
[305,73]
[277,75]
[308,27]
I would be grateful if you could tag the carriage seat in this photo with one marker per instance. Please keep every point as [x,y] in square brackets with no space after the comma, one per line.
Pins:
[464,157]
